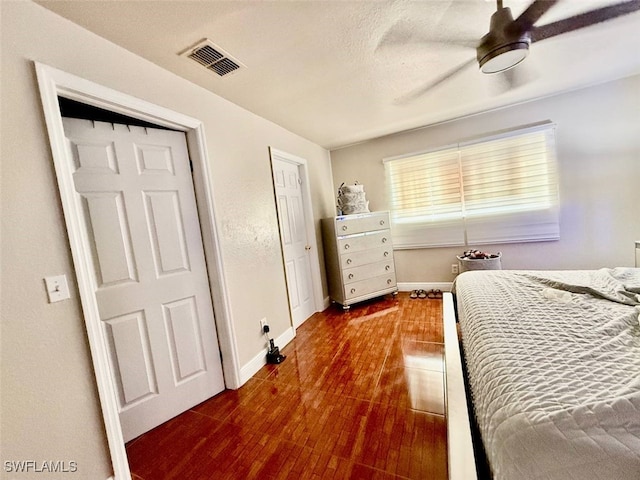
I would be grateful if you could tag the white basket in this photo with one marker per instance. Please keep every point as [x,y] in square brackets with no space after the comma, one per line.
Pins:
[353,208]
[352,199]
[345,198]
[352,188]
[466,264]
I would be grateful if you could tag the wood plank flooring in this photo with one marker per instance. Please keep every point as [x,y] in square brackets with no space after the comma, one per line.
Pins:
[359,396]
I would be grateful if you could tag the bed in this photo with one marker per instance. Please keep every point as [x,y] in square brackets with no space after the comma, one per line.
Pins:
[553,373]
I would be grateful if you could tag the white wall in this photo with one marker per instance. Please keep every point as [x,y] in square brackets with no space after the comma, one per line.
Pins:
[598,142]
[50,408]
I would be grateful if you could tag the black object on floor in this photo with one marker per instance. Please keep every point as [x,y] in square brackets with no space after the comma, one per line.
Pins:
[273,354]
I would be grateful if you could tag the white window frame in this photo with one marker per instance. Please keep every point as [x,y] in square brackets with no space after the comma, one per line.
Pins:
[465,216]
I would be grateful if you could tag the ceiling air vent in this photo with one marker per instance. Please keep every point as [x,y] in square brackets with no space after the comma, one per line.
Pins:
[209,55]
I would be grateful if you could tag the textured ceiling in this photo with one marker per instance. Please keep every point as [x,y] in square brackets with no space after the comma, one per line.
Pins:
[340,72]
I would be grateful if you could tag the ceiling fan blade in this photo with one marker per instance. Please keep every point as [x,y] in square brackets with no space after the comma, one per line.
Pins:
[513,78]
[403,33]
[531,15]
[583,20]
[418,92]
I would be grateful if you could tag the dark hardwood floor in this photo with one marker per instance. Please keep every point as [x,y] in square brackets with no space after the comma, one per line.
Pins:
[359,396]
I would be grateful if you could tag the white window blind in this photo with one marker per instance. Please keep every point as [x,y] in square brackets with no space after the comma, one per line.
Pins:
[494,190]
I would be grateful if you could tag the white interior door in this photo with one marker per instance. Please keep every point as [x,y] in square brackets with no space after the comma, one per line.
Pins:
[293,234]
[141,223]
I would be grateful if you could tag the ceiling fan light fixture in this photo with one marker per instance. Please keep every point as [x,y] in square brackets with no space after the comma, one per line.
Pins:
[506,44]
[504,57]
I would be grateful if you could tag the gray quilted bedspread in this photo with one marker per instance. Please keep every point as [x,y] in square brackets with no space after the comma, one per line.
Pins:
[554,370]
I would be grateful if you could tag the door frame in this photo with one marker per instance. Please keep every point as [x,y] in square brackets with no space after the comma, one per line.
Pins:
[54,83]
[316,277]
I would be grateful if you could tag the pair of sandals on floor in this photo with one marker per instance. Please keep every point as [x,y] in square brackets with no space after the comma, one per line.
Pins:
[422,294]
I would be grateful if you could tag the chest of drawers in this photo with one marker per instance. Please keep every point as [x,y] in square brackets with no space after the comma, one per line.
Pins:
[359,257]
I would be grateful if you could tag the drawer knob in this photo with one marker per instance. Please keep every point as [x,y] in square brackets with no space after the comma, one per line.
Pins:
[350,276]
[389,281]
[353,290]
[348,261]
[344,228]
[387,267]
[381,222]
[386,254]
[346,246]
[384,239]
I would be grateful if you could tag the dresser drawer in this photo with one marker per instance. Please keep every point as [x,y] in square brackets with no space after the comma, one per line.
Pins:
[351,275]
[355,259]
[364,241]
[370,285]
[349,224]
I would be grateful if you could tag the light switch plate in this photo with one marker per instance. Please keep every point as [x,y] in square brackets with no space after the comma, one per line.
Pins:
[57,288]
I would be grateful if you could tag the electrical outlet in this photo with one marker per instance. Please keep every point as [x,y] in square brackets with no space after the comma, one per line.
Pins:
[454,268]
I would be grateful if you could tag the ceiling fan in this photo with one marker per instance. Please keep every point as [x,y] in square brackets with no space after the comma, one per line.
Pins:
[508,40]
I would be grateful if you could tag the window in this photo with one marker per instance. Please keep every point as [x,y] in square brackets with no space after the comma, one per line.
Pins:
[499,189]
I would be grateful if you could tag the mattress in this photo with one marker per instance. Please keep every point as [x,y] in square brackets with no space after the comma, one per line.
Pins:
[553,362]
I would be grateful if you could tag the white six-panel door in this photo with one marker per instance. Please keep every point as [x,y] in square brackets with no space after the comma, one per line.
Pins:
[134,186]
[293,234]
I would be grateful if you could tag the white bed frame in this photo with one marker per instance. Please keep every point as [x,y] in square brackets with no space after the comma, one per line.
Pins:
[462,464]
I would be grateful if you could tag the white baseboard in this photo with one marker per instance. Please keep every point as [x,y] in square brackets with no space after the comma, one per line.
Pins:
[260,360]
[409,286]
[327,303]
